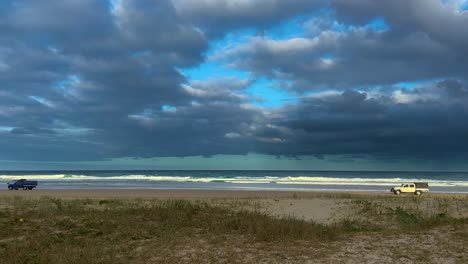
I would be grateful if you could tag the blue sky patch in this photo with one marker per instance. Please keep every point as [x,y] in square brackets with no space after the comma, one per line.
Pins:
[378,24]
[415,84]
[6,128]
[213,69]
[464,6]
[293,28]
[70,80]
[266,93]
[168,108]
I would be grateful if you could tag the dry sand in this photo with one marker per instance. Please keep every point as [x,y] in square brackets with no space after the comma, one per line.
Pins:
[317,206]
[305,205]
[444,244]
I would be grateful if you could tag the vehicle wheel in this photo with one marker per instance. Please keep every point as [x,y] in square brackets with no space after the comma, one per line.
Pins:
[397,192]
[10,188]
[25,188]
[418,193]
[30,188]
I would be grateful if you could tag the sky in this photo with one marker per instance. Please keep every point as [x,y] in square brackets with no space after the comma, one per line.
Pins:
[234,84]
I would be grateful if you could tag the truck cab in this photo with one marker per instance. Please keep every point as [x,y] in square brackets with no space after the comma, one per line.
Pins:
[416,188]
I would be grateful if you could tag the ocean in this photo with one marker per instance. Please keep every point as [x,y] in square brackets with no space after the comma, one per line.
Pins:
[378,181]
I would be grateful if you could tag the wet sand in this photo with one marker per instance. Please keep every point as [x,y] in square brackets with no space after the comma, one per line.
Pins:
[198,194]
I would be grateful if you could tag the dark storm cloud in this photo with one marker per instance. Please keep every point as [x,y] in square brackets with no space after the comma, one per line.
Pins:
[427,122]
[199,129]
[83,76]
[90,80]
[219,16]
[88,65]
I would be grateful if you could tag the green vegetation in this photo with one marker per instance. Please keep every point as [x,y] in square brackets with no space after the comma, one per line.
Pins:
[51,230]
[397,216]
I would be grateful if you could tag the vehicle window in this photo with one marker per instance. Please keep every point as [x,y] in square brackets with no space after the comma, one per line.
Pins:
[406,185]
[412,185]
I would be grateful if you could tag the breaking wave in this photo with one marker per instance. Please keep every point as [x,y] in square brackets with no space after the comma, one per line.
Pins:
[287,180]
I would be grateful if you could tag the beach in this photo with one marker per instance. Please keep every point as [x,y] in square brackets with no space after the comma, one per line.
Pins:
[233,131]
[214,226]
[240,180]
[321,206]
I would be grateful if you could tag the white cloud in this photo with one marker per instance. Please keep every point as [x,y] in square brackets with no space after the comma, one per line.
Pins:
[232,135]
[407,98]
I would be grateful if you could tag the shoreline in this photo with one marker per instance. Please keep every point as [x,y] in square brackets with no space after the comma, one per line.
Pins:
[205,193]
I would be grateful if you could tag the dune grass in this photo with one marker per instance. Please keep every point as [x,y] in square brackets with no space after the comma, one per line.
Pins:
[51,230]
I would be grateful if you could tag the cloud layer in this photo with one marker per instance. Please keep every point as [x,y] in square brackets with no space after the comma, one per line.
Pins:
[94,80]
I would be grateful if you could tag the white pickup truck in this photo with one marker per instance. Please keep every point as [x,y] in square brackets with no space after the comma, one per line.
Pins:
[416,188]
